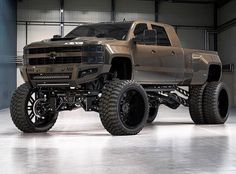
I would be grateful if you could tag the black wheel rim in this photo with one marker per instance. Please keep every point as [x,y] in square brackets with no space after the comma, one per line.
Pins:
[38,115]
[223,103]
[132,108]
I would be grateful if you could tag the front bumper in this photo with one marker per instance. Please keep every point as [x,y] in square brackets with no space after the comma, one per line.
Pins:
[65,75]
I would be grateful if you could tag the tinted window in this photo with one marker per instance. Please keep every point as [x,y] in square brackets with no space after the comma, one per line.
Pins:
[139,29]
[116,31]
[162,38]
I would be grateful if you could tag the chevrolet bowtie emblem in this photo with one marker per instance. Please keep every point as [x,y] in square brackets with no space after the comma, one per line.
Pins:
[52,55]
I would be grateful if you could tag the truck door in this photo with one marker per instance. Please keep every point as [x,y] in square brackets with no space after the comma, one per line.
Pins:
[142,56]
[169,59]
[157,63]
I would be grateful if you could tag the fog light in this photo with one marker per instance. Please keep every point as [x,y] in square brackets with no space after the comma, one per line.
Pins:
[87,72]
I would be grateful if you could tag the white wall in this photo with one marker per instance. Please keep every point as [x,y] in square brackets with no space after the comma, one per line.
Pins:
[37,10]
[87,11]
[226,43]
[21,39]
[37,33]
[134,9]
[68,29]
[190,15]
[227,12]
[186,14]
[192,38]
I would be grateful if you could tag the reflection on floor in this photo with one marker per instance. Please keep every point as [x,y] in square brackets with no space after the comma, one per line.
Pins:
[79,144]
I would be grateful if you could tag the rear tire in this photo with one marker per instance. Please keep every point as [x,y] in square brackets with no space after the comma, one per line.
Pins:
[216,103]
[23,111]
[196,104]
[123,107]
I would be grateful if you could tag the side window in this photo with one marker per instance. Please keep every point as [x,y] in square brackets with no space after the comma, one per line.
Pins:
[162,38]
[139,29]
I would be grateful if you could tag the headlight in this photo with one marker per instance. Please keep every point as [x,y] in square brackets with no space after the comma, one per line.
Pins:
[93,48]
[95,54]
[95,59]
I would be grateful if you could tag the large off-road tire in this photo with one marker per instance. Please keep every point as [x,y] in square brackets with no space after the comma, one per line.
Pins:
[123,107]
[196,104]
[22,108]
[216,103]
[152,113]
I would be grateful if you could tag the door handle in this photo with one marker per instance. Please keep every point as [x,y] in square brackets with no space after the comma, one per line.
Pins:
[153,51]
[172,53]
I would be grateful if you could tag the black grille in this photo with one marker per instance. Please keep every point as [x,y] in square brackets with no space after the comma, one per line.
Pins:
[57,60]
[54,49]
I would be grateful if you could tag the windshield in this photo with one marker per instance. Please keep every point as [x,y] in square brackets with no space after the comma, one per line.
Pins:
[117,31]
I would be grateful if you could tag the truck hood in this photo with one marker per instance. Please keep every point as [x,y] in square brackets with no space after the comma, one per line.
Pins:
[67,41]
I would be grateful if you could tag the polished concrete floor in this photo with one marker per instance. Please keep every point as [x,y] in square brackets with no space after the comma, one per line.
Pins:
[79,144]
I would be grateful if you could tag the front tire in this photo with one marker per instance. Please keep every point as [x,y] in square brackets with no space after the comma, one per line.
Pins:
[152,113]
[123,107]
[27,112]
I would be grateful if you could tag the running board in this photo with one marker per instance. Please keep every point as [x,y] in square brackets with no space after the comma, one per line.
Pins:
[158,88]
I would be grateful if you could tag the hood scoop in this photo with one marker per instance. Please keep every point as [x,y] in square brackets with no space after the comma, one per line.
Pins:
[59,38]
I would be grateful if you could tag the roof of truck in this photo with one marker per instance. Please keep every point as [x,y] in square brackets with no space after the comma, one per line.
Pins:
[133,21]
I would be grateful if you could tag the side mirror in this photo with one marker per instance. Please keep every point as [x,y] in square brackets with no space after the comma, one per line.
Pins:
[138,39]
[56,36]
[150,37]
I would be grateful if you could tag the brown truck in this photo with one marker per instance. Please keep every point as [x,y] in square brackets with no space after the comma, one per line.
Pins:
[122,70]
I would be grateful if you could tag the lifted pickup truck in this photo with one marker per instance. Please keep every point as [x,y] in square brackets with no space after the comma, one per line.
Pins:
[122,70]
